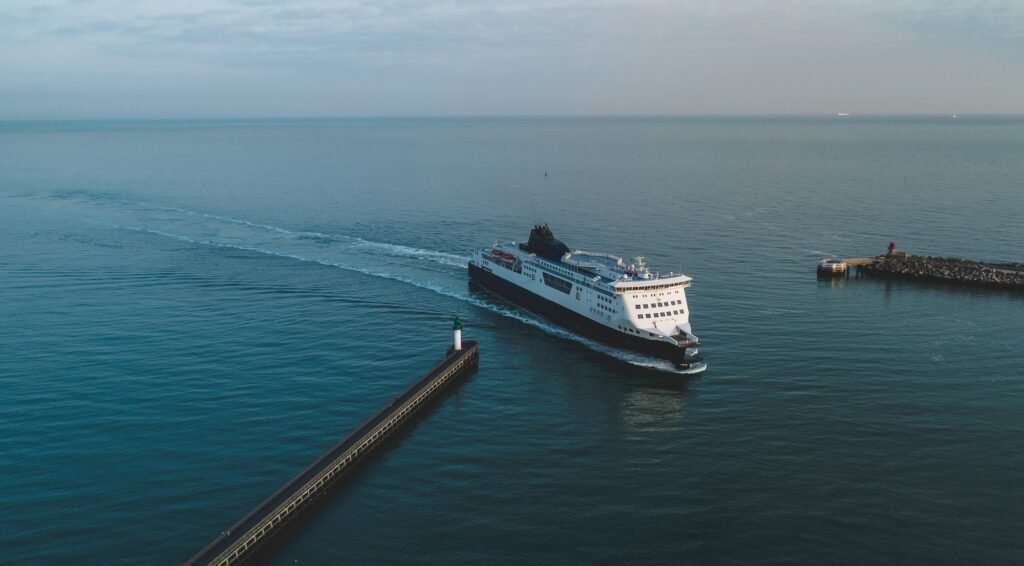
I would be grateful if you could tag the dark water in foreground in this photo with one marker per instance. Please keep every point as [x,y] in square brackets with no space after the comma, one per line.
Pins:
[192,312]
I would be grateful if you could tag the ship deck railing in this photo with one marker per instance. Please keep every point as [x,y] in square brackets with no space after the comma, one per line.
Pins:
[684,341]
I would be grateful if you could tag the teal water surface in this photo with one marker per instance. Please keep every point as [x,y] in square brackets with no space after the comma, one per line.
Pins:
[194,311]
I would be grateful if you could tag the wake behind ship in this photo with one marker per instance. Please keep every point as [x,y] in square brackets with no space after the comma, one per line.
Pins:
[594,294]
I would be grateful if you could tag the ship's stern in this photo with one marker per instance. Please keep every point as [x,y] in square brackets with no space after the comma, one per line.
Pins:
[687,348]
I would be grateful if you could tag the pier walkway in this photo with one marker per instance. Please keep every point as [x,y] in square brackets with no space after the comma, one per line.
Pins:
[238,543]
[901,265]
[860,261]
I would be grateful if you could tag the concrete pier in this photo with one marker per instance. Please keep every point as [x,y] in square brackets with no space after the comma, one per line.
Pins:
[947,270]
[901,265]
[238,543]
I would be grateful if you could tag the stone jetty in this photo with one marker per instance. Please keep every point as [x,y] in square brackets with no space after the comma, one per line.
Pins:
[946,270]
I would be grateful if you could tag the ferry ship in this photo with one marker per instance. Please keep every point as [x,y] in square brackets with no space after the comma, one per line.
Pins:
[594,294]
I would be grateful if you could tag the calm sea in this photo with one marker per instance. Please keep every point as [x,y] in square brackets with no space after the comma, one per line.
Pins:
[193,311]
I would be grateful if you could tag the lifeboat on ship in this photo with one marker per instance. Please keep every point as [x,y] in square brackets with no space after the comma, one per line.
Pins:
[502,255]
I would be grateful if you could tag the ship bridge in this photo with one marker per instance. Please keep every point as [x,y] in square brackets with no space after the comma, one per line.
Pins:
[613,271]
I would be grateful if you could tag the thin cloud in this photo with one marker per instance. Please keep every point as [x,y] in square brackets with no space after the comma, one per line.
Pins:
[194,57]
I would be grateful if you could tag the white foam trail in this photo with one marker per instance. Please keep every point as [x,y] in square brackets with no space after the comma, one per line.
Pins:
[444,258]
[778,311]
[363,270]
[394,249]
[227,219]
[397,249]
[364,267]
[621,355]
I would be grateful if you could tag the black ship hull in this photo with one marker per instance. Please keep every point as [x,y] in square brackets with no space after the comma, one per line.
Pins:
[574,321]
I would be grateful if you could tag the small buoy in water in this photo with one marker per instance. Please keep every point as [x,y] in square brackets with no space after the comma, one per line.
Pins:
[545,173]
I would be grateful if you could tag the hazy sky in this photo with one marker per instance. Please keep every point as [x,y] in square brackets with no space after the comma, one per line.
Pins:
[208,58]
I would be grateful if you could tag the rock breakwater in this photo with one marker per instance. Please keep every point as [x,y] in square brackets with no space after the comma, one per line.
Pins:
[948,270]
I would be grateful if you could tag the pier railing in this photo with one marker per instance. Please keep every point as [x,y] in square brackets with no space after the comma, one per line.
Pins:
[237,543]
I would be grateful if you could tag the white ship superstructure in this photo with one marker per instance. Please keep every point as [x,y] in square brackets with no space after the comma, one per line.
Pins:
[597,294]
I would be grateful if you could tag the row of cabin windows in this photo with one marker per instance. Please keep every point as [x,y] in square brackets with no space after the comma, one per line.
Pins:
[649,287]
[565,273]
[656,305]
[658,314]
[562,271]
[656,294]
[634,331]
